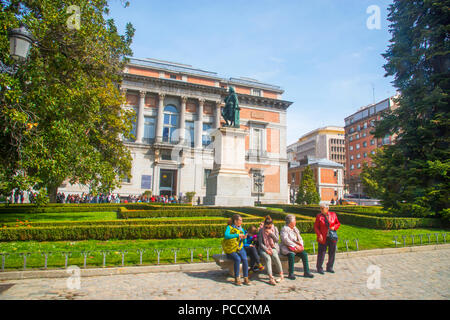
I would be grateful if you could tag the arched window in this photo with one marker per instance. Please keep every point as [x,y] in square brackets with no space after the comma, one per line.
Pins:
[170,124]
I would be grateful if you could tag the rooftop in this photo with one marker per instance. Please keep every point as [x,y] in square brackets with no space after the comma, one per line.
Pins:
[188,69]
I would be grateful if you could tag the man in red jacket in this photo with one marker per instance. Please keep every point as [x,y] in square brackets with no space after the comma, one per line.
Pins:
[321,229]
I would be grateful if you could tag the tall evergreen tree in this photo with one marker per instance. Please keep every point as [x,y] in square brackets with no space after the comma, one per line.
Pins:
[307,191]
[61,116]
[412,176]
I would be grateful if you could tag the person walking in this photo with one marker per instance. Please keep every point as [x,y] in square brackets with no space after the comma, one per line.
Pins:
[268,238]
[292,245]
[325,226]
[232,245]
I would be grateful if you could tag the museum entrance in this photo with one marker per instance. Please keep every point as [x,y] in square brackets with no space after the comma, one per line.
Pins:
[168,182]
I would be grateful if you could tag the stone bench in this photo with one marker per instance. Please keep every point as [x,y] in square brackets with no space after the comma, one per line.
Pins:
[228,264]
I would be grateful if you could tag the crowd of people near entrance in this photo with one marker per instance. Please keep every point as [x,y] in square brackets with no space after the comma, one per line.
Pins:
[111,198]
[267,244]
[18,196]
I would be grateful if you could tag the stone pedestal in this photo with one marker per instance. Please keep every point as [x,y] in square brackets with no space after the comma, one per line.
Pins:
[229,183]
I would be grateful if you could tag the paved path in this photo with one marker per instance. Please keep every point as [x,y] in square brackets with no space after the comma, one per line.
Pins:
[412,275]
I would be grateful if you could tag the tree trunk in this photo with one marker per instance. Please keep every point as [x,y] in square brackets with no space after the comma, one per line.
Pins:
[52,191]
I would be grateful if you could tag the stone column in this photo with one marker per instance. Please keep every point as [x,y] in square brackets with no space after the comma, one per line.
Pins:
[182,125]
[140,118]
[160,118]
[218,114]
[199,124]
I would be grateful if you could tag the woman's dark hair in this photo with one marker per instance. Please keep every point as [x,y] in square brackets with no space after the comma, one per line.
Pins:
[268,221]
[252,230]
[233,219]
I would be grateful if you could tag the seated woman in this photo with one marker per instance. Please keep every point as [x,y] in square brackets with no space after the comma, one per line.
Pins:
[233,247]
[268,238]
[292,245]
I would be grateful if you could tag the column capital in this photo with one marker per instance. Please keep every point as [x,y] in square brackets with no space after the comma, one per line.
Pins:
[161,95]
[142,93]
[201,101]
[184,99]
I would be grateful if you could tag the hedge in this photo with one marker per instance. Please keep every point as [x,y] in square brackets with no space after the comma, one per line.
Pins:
[124,213]
[128,232]
[91,207]
[127,222]
[384,223]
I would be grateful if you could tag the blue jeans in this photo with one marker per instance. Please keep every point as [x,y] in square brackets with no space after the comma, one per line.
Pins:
[237,257]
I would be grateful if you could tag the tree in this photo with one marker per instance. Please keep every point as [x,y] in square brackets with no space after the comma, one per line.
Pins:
[412,175]
[307,191]
[61,115]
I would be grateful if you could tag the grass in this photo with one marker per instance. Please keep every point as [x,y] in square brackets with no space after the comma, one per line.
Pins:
[58,216]
[368,239]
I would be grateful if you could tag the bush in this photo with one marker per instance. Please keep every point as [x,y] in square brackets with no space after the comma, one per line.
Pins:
[186,221]
[124,213]
[125,232]
[385,223]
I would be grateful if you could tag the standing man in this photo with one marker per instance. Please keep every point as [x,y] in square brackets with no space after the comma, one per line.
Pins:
[325,221]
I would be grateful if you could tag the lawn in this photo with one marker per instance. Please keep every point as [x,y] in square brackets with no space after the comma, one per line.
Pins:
[57,216]
[367,239]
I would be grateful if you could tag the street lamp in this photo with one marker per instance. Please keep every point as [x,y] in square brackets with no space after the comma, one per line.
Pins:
[20,41]
[259,182]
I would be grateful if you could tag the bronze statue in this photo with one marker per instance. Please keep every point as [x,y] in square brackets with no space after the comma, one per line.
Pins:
[230,112]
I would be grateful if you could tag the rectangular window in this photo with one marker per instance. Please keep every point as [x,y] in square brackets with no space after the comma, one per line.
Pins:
[365,144]
[256,92]
[149,129]
[206,174]
[352,167]
[357,146]
[372,142]
[358,156]
[351,148]
[189,133]
[351,157]
[359,165]
[365,154]
[206,137]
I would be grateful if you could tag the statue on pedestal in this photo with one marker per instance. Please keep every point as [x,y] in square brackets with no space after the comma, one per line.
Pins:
[230,112]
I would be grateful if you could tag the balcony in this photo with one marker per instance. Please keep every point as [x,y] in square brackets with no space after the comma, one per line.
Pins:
[256,154]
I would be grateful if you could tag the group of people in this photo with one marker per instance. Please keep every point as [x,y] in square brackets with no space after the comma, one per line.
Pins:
[87,198]
[111,198]
[267,243]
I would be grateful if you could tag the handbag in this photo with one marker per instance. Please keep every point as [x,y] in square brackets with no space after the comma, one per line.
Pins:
[331,234]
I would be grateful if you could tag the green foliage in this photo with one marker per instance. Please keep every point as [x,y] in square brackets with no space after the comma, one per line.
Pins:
[190,196]
[307,191]
[367,220]
[61,116]
[412,176]
[132,214]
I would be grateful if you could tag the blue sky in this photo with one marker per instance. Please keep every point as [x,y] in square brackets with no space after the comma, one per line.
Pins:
[320,52]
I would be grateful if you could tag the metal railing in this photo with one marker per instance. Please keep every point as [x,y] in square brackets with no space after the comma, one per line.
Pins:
[157,256]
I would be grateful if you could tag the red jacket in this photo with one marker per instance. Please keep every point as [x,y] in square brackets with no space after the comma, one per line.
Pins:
[320,227]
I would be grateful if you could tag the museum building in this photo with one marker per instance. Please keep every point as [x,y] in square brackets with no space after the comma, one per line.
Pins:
[177,107]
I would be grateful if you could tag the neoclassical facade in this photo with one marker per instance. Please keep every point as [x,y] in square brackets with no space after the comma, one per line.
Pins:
[177,107]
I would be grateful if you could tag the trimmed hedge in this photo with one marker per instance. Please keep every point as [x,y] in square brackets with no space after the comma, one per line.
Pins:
[186,221]
[374,222]
[90,207]
[124,213]
[128,232]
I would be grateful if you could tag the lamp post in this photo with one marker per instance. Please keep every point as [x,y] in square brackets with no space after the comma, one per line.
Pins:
[20,41]
[259,182]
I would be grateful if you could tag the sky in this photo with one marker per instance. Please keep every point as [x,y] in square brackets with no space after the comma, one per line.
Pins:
[320,52]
